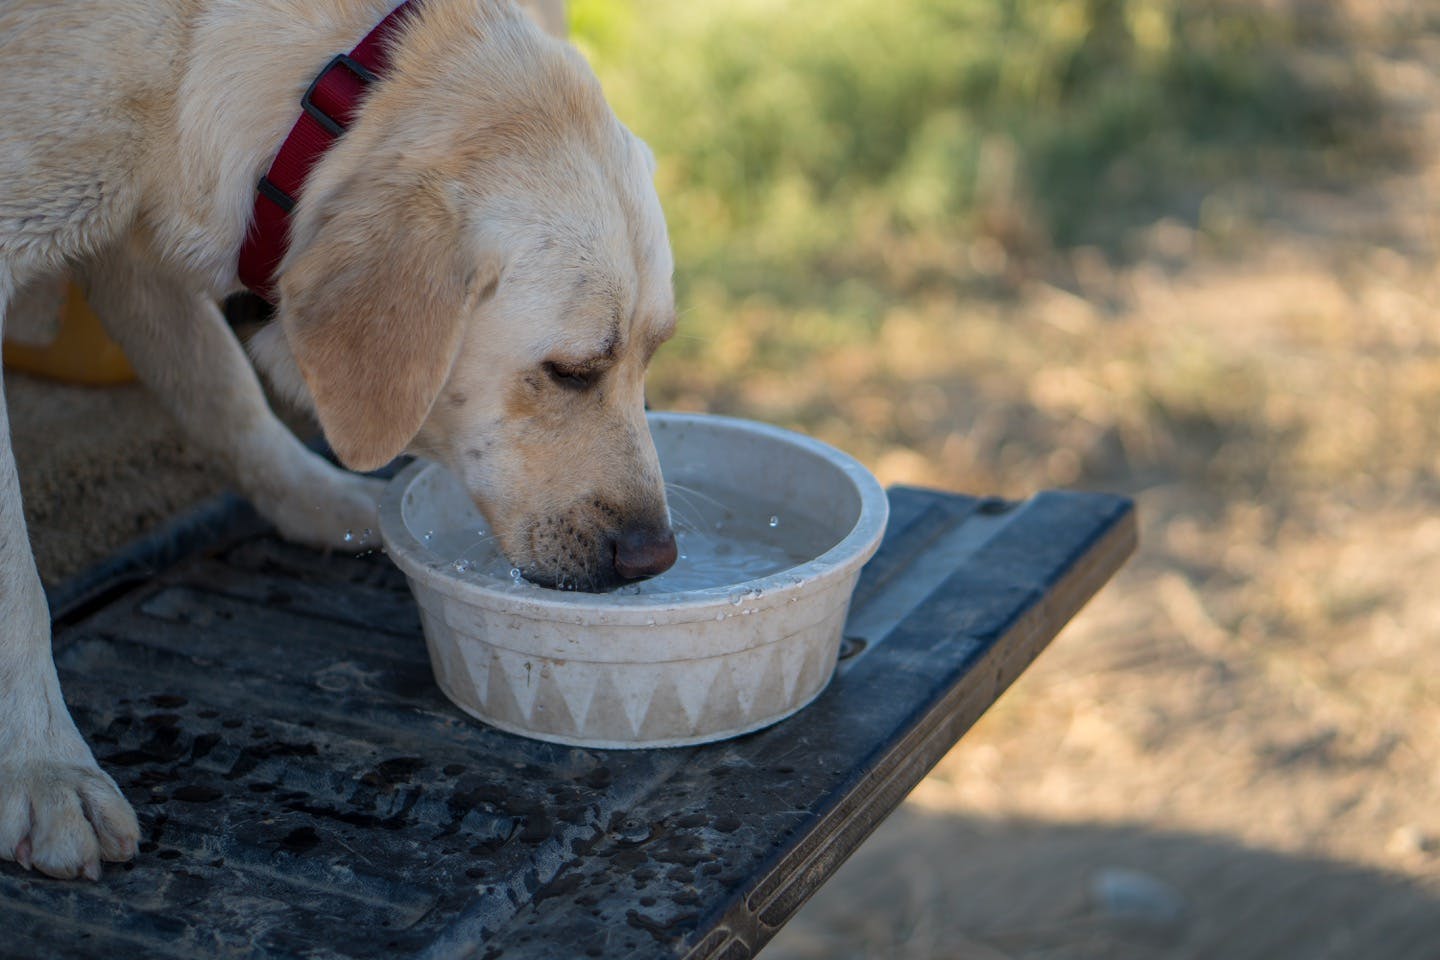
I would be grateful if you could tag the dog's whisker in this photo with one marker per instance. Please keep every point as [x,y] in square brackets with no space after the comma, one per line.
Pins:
[680,502]
[686,511]
[695,494]
[676,497]
[681,523]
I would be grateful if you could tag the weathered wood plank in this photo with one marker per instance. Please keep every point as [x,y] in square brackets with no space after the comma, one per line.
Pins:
[305,791]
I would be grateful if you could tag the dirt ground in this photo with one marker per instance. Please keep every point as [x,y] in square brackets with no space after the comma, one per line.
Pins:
[1235,750]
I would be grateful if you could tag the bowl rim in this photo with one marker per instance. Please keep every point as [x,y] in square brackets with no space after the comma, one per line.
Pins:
[852,550]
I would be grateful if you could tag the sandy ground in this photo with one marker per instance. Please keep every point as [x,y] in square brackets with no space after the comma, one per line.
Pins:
[1235,750]
[98,468]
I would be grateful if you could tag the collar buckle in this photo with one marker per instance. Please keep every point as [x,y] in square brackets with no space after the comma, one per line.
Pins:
[307,102]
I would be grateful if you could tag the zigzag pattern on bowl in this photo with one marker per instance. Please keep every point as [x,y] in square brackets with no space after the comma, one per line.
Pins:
[624,702]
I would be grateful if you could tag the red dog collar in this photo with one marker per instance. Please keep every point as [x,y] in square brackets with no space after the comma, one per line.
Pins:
[328,108]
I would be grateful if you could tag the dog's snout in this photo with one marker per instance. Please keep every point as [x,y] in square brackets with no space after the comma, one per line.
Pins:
[644,553]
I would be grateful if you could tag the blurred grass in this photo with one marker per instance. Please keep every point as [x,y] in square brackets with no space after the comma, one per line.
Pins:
[802,140]
[864,196]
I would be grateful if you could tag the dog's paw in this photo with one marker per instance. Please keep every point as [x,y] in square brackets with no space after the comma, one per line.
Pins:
[62,818]
[334,510]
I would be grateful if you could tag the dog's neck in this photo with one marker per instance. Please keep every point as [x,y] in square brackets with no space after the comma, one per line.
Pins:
[249,63]
[329,106]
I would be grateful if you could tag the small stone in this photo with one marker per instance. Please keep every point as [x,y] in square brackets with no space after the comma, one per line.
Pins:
[1136,898]
[1410,841]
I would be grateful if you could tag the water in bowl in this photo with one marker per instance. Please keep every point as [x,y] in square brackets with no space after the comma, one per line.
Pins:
[724,538]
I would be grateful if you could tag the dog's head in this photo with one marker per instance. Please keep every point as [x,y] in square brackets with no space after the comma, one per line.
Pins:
[479,272]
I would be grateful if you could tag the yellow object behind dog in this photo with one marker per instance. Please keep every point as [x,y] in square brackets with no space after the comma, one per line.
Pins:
[80,353]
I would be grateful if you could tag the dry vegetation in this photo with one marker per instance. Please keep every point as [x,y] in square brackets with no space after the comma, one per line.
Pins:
[1203,268]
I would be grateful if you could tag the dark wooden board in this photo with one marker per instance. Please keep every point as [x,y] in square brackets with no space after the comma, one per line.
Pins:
[304,790]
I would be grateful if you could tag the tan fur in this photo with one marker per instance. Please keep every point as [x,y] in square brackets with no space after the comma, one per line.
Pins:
[384,287]
[484,224]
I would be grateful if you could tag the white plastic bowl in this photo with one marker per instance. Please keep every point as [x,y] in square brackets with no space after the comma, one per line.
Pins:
[649,670]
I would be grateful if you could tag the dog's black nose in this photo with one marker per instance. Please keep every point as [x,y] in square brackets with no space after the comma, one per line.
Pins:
[644,553]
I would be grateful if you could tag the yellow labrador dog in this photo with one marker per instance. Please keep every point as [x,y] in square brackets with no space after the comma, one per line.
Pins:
[477,271]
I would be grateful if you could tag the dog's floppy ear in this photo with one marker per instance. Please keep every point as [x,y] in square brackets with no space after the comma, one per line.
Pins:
[373,309]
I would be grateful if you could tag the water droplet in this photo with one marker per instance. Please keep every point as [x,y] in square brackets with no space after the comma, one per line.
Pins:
[349,536]
[429,535]
[515,574]
[774,521]
[367,533]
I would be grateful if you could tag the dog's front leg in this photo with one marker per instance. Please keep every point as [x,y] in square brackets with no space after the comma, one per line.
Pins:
[181,347]
[59,812]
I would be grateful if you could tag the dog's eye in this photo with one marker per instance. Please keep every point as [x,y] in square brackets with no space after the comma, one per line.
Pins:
[571,378]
